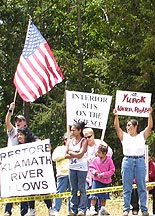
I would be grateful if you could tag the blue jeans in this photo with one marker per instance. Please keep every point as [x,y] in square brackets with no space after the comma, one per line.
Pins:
[23,208]
[62,185]
[133,168]
[8,207]
[97,205]
[77,182]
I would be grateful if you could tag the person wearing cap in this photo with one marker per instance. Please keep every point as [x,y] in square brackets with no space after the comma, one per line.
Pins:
[13,139]
[20,121]
[62,174]
[12,134]
[133,164]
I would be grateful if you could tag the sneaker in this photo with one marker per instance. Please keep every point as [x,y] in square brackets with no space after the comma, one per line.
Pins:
[103,212]
[134,212]
[92,212]
[51,212]
[7,214]
[81,213]
[125,213]
[145,213]
[31,213]
[56,213]
[88,212]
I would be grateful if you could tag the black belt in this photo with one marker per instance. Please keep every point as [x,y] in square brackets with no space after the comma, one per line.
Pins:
[134,157]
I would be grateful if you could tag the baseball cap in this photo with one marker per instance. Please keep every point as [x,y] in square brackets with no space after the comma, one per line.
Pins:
[20,117]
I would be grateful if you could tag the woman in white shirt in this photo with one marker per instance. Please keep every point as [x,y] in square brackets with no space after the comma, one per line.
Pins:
[133,164]
[76,152]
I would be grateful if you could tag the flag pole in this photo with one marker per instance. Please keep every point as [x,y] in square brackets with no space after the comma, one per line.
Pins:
[102,135]
[15,95]
[30,19]
[67,126]
[14,100]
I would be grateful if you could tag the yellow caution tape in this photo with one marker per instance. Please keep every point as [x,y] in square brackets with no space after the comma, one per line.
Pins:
[66,194]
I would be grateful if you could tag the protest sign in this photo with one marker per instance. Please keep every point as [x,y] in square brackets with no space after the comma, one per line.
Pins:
[26,169]
[130,103]
[93,109]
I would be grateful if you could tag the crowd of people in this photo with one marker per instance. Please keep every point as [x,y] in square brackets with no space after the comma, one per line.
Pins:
[20,134]
[83,162]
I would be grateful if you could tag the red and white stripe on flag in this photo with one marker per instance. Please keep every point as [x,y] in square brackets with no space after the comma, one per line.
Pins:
[37,71]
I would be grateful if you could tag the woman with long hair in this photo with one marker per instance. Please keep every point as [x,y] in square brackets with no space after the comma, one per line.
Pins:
[76,152]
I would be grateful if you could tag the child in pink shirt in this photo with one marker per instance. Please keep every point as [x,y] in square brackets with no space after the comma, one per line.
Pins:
[102,168]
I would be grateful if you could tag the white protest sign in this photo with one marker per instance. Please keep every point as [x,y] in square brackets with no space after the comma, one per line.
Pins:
[26,169]
[93,109]
[130,103]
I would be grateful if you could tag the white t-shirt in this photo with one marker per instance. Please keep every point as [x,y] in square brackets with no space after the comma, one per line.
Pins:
[91,150]
[77,163]
[12,137]
[133,145]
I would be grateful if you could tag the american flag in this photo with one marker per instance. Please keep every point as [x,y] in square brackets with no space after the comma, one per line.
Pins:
[37,71]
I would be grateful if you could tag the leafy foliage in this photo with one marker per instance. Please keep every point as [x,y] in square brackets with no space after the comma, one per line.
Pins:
[101,46]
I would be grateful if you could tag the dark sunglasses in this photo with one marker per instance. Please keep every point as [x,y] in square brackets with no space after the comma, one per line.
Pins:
[88,137]
[128,124]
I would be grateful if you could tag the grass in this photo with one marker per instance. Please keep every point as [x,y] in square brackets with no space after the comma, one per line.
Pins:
[113,206]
